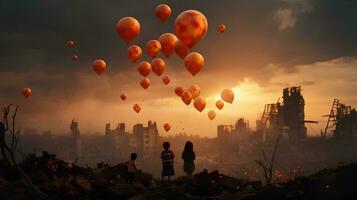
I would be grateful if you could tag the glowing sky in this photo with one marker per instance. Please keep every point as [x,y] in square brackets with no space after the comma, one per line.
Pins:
[268,45]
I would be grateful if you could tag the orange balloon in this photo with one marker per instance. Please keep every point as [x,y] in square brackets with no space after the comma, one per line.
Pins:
[167,41]
[186,97]
[145,83]
[166,80]
[123,97]
[227,95]
[199,104]
[134,53]
[219,104]
[190,27]
[144,68]
[158,66]
[153,47]
[26,92]
[128,28]
[167,127]
[70,44]
[221,28]
[211,114]
[75,57]
[179,91]
[137,108]
[194,62]
[195,91]
[163,12]
[99,66]
[181,49]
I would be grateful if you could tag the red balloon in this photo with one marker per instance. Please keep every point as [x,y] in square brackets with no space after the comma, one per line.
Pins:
[144,68]
[163,12]
[167,127]
[123,97]
[145,83]
[190,27]
[134,53]
[26,92]
[99,66]
[179,91]
[167,41]
[195,91]
[75,57]
[181,49]
[153,47]
[199,104]
[166,80]
[227,95]
[128,28]
[70,44]
[194,62]
[221,28]
[186,97]
[137,108]
[211,114]
[158,66]
[219,104]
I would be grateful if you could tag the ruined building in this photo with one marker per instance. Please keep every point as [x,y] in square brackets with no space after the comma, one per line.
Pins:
[76,141]
[233,134]
[286,117]
[145,140]
[342,122]
[117,141]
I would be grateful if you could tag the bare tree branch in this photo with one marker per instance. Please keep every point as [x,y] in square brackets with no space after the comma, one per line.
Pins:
[268,166]
[8,151]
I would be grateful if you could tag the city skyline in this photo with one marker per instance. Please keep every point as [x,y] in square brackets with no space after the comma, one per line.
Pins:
[272,45]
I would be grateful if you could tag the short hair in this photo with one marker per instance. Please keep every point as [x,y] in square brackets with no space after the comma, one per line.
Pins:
[166,145]
[133,156]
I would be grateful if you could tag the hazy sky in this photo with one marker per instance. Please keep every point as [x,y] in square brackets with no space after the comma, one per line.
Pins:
[268,45]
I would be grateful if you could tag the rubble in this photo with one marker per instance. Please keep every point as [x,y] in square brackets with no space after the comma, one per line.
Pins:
[63,180]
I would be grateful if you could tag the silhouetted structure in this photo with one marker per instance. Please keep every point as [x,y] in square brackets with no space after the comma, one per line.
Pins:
[287,117]
[342,122]
[117,141]
[76,140]
[233,134]
[145,140]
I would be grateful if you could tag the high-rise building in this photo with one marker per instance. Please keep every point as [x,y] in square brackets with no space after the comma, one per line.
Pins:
[117,141]
[145,140]
[76,142]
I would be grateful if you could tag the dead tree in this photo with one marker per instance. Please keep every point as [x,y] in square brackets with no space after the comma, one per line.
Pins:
[268,165]
[8,131]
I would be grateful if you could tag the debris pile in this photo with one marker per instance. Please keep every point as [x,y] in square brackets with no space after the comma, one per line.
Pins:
[64,180]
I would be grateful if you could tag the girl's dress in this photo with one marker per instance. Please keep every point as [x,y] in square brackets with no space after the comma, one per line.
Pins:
[189,165]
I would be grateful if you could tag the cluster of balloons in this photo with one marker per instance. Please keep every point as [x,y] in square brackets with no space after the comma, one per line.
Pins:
[192,94]
[70,45]
[190,27]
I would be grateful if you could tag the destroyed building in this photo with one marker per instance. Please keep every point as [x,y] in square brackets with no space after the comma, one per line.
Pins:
[233,134]
[75,140]
[286,117]
[341,122]
[117,140]
[145,140]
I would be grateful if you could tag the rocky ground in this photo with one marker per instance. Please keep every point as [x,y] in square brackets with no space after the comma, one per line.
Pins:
[62,180]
